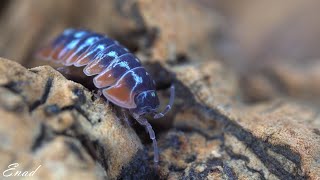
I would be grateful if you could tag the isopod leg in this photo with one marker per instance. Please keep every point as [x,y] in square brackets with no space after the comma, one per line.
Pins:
[168,107]
[98,93]
[125,117]
[148,127]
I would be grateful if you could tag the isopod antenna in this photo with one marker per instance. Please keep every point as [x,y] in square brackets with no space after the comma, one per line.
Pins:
[169,106]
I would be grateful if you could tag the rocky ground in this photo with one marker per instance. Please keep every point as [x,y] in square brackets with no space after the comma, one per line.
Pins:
[263,125]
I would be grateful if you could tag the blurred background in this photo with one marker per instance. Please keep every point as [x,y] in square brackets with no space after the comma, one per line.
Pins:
[272,45]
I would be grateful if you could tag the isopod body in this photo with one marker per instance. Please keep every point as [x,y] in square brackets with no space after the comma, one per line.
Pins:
[117,72]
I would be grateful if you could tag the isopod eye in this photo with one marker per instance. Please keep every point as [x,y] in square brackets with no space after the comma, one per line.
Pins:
[147,102]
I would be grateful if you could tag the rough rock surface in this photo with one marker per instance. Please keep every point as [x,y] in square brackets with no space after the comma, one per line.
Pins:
[54,122]
[265,126]
[272,140]
[50,121]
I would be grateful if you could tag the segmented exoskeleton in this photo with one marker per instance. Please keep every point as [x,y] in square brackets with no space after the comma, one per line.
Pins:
[118,73]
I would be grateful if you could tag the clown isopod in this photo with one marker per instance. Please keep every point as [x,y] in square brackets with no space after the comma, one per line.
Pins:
[117,73]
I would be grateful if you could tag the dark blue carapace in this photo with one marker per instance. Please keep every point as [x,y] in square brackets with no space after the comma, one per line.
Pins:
[119,75]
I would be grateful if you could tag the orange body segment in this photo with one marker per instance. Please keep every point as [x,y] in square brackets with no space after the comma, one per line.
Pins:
[45,52]
[82,62]
[120,94]
[94,67]
[104,79]
[56,52]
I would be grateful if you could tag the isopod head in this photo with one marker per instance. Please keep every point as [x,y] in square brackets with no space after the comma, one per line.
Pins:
[147,102]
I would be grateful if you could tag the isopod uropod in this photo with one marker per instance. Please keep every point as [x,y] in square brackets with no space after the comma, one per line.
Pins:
[118,73]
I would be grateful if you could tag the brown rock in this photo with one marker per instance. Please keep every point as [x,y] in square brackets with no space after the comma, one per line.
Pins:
[185,28]
[50,121]
[211,132]
[275,140]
